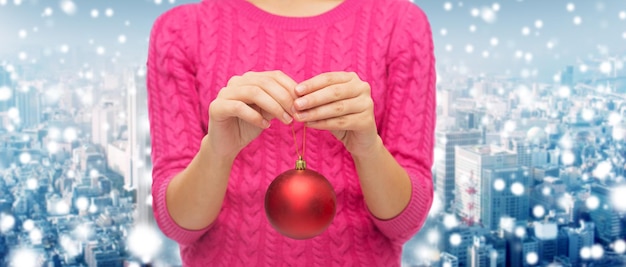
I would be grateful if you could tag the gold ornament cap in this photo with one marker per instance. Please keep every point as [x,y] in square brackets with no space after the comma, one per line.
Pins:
[300,164]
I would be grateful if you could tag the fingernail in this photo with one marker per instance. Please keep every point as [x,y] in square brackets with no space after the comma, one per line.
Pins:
[301,102]
[301,116]
[300,88]
[266,124]
[287,118]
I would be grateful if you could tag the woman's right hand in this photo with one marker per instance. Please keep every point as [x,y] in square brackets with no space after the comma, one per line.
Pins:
[245,107]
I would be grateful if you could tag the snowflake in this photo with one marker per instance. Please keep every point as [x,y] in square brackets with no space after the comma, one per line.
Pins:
[539,211]
[144,242]
[25,258]
[499,185]
[82,204]
[495,7]
[525,31]
[28,225]
[68,7]
[532,258]
[100,50]
[70,135]
[592,202]
[47,12]
[517,189]
[597,251]
[433,236]
[35,236]
[25,158]
[108,12]
[450,221]
[520,232]
[447,6]
[619,246]
[602,170]
[6,222]
[577,20]
[95,13]
[52,147]
[22,33]
[5,93]
[455,239]
[488,15]
[62,208]
[618,198]
[538,24]
[32,184]
[605,67]
[494,41]
[570,7]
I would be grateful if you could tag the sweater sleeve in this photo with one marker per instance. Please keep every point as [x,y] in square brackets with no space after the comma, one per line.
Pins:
[408,130]
[173,107]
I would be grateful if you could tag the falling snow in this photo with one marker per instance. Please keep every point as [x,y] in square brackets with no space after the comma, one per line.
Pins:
[532,258]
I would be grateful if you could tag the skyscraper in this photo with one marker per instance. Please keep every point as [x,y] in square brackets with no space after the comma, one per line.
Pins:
[138,143]
[546,238]
[504,193]
[482,254]
[103,117]
[567,76]
[470,162]
[578,239]
[6,84]
[606,220]
[445,162]
[28,103]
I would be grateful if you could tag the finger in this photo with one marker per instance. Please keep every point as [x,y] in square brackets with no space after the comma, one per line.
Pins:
[279,77]
[350,122]
[286,81]
[323,80]
[334,109]
[325,96]
[277,91]
[257,96]
[233,108]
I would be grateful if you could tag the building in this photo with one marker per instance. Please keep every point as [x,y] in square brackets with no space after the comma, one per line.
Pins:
[138,145]
[103,123]
[545,234]
[605,218]
[470,162]
[504,193]
[482,254]
[465,235]
[28,104]
[445,161]
[579,238]
[448,260]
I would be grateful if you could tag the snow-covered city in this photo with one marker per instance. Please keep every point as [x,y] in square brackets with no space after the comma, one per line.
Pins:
[530,151]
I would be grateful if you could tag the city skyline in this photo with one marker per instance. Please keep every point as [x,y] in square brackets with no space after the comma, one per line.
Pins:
[530,147]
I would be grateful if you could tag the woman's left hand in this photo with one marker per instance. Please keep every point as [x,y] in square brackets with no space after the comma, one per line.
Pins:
[342,103]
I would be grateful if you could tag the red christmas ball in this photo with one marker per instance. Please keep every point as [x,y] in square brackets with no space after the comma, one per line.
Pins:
[300,203]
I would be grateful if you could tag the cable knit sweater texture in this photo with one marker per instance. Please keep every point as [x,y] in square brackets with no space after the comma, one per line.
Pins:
[195,49]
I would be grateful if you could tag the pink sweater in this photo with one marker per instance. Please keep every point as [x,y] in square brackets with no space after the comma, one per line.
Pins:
[196,48]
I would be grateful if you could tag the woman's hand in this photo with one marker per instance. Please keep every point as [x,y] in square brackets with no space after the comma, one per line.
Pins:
[340,102]
[245,107]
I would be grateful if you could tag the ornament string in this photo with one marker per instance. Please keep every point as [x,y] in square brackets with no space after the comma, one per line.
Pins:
[300,164]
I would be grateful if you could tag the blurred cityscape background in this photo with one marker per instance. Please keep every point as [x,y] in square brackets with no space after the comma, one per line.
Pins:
[530,151]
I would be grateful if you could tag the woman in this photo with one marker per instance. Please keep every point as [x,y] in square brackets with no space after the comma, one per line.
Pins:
[227,81]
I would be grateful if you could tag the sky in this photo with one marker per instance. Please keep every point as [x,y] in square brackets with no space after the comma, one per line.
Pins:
[491,37]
